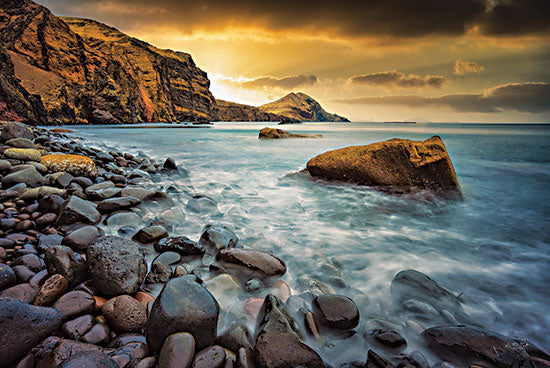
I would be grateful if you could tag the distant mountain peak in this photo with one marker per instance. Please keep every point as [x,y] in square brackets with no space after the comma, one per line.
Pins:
[299,106]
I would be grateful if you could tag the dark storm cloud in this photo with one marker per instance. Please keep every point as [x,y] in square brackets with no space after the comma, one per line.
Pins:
[395,78]
[284,82]
[398,18]
[523,97]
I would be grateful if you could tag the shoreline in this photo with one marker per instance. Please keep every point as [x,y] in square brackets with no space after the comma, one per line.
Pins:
[40,240]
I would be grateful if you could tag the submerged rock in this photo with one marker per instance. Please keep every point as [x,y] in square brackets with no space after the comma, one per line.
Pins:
[392,163]
[183,305]
[217,237]
[467,346]
[253,261]
[273,133]
[336,311]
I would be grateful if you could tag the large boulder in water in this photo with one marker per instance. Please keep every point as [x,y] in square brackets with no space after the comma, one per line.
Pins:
[23,326]
[117,265]
[392,163]
[183,305]
[273,133]
[468,346]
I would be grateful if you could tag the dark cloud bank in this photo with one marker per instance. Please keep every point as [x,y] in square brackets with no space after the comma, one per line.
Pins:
[395,78]
[399,18]
[523,97]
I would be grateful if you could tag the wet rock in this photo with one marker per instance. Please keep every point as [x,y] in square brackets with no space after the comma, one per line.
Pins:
[30,176]
[389,338]
[61,179]
[124,219]
[117,265]
[82,238]
[75,303]
[75,210]
[281,290]
[282,351]
[200,203]
[4,165]
[376,361]
[130,354]
[253,261]
[94,188]
[170,164]
[53,351]
[253,285]
[23,154]
[236,338]
[46,219]
[273,133]
[49,241]
[177,351]
[150,234]
[396,162]
[7,276]
[98,334]
[245,359]
[159,273]
[42,192]
[23,273]
[125,314]
[217,237]
[64,261]
[32,261]
[168,258]
[89,359]
[466,346]
[73,164]
[183,305]
[82,181]
[148,362]
[77,327]
[117,204]
[137,192]
[23,326]
[51,204]
[180,244]
[15,130]
[336,311]
[20,143]
[52,289]
[23,292]
[126,339]
[274,317]
[211,357]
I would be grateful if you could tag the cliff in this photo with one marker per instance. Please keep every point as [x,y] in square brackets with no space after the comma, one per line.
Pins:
[87,72]
[302,107]
[232,111]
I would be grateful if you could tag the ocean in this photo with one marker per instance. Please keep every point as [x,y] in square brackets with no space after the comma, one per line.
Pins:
[492,248]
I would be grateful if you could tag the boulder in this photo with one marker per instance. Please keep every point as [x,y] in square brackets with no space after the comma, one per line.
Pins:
[75,303]
[23,326]
[211,357]
[217,237]
[76,328]
[117,265]
[81,239]
[468,346]
[30,176]
[20,143]
[76,209]
[53,351]
[125,314]
[180,244]
[52,289]
[336,311]
[7,276]
[23,154]
[253,261]
[64,261]
[15,130]
[73,164]
[275,350]
[273,133]
[177,351]
[89,359]
[183,305]
[392,163]
[150,234]
[274,317]
[117,204]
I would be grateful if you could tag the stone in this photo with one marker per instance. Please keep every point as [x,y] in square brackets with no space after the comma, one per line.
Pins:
[336,311]
[236,338]
[76,328]
[183,305]
[61,179]
[274,317]
[125,314]
[5,165]
[217,237]
[32,261]
[150,234]
[170,164]
[64,261]
[274,350]
[46,219]
[41,192]
[224,287]
[53,351]
[51,204]
[211,357]
[15,130]
[20,143]
[117,204]
[180,244]
[94,188]
[253,261]
[467,346]
[201,204]
[177,351]
[23,154]
[392,163]
[49,241]
[23,326]
[273,133]
[75,303]
[89,359]
[76,209]
[137,192]
[23,273]
[52,289]
[123,219]
[73,164]
[82,238]
[7,276]
[30,176]
[389,338]
[281,290]
[376,361]
[23,292]
[82,181]
[98,334]
[117,265]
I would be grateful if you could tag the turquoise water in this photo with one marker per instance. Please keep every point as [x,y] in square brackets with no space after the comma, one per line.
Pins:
[504,171]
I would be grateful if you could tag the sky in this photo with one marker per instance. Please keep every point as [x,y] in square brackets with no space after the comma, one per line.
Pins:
[368,60]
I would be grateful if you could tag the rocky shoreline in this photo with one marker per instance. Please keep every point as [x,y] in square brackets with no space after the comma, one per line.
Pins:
[74,295]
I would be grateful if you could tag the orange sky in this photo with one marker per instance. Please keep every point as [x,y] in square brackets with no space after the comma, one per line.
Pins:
[454,60]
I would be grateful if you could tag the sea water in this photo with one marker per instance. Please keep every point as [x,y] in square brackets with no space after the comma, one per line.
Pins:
[492,248]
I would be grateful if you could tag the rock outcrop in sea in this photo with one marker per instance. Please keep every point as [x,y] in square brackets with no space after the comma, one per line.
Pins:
[273,133]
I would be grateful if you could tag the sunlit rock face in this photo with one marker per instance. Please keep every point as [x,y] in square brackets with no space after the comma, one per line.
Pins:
[87,72]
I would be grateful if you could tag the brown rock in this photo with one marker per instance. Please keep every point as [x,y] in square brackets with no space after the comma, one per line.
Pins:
[211,357]
[125,313]
[24,292]
[144,298]
[281,351]
[255,261]
[74,303]
[73,164]
[54,287]
[392,163]
[177,351]
[272,133]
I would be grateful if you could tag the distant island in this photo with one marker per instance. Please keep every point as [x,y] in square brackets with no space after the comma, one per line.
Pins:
[59,70]
[400,122]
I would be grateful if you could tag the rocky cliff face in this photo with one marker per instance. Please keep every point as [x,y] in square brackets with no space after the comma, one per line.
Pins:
[232,111]
[85,71]
[302,107]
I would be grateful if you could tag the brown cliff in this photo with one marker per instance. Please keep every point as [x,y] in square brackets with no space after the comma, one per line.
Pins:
[302,107]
